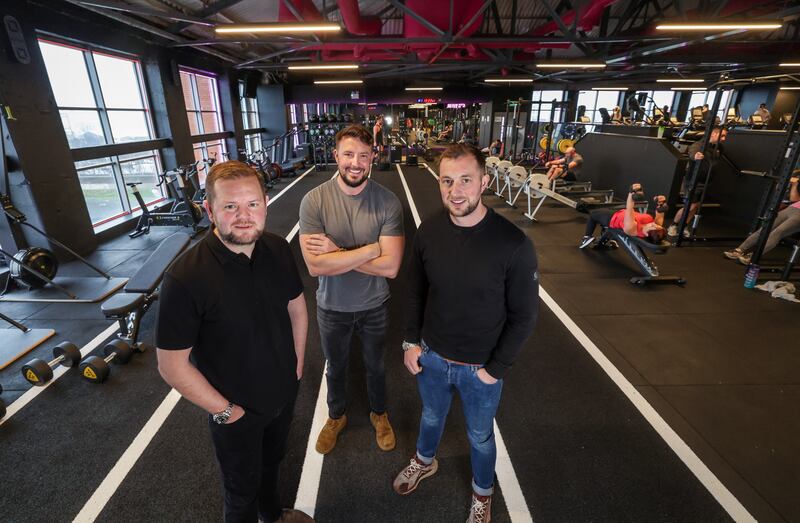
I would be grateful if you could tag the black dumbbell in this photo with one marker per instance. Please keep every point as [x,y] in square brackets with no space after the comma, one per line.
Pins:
[96,369]
[39,372]
[638,193]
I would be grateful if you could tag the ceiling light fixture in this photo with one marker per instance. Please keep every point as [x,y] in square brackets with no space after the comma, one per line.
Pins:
[328,82]
[275,28]
[720,26]
[789,64]
[509,80]
[571,65]
[790,88]
[320,67]
[680,80]
[424,88]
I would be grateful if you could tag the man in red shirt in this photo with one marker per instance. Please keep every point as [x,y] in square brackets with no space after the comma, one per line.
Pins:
[633,223]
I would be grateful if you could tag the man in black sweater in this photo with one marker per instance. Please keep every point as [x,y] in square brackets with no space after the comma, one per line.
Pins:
[472,303]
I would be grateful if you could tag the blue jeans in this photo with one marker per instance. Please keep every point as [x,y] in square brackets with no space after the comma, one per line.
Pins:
[336,332]
[437,382]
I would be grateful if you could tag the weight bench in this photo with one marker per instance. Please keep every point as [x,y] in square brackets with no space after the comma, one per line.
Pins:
[129,306]
[635,247]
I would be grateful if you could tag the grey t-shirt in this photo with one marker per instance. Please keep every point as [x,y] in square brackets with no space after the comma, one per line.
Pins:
[351,222]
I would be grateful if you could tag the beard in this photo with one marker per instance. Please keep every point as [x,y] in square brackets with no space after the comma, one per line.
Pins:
[234,237]
[354,183]
[466,210]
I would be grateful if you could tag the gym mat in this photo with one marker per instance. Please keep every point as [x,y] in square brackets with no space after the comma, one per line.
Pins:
[14,343]
[87,290]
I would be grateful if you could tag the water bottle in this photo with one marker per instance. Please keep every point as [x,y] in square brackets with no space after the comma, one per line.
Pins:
[751,276]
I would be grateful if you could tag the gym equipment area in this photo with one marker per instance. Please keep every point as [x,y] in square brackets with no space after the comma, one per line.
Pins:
[648,149]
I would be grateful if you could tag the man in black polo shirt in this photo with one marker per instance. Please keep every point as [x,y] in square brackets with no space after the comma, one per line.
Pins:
[472,302]
[231,338]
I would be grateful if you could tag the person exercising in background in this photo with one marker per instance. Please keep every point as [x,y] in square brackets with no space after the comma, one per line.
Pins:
[377,135]
[616,115]
[494,149]
[718,135]
[633,223]
[787,222]
[763,112]
[567,167]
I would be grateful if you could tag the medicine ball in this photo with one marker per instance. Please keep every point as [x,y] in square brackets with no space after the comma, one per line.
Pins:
[37,258]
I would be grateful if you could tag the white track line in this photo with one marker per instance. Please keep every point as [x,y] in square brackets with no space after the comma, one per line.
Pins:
[34,391]
[518,510]
[290,185]
[732,506]
[714,486]
[115,477]
[97,502]
[307,490]
[431,171]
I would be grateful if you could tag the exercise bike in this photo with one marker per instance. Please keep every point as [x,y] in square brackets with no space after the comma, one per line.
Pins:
[184,211]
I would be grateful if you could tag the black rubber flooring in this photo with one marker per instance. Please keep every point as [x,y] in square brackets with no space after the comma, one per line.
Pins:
[716,361]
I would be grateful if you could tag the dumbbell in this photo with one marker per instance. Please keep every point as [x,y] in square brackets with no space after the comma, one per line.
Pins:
[39,372]
[638,193]
[96,369]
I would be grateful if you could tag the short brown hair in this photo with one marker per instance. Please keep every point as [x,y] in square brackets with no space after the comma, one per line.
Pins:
[457,150]
[354,131]
[230,170]
[656,235]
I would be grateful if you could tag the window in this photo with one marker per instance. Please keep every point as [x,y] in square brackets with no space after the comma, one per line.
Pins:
[101,100]
[542,113]
[594,100]
[657,99]
[252,142]
[201,95]
[699,98]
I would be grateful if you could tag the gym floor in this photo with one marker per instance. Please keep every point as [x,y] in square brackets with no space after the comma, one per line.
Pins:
[637,404]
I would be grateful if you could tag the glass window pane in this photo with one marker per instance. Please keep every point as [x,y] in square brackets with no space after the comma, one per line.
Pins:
[588,99]
[128,126]
[100,191]
[607,99]
[206,93]
[83,128]
[145,172]
[210,124]
[663,98]
[92,163]
[118,81]
[186,85]
[69,79]
[193,127]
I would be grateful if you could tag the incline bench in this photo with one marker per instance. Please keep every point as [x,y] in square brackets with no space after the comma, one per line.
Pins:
[635,247]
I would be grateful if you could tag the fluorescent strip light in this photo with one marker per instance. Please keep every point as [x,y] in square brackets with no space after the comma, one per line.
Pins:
[424,88]
[789,64]
[609,88]
[722,26]
[688,88]
[328,82]
[509,80]
[790,88]
[275,28]
[568,65]
[322,67]
[680,80]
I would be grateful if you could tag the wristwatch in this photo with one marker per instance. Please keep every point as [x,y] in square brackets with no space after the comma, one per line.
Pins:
[221,418]
[409,345]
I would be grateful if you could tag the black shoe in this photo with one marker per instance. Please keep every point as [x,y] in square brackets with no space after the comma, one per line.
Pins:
[586,241]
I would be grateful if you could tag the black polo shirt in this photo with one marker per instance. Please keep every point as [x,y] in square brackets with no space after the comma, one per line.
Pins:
[231,310]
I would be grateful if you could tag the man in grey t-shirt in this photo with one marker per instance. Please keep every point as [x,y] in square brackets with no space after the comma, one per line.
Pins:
[352,238]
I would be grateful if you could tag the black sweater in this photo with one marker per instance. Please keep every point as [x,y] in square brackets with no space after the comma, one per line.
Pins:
[473,291]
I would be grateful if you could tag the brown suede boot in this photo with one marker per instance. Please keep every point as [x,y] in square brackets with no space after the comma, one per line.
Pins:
[384,434]
[327,436]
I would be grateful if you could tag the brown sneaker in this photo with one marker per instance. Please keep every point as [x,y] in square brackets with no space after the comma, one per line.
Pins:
[481,509]
[327,436]
[384,434]
[408,479]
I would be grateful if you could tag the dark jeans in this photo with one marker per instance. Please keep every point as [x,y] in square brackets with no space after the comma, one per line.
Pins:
[336,331]
[249,452]
[598,217]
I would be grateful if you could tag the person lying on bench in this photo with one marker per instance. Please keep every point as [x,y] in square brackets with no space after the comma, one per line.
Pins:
[631,222]
[787,222]
[571,160]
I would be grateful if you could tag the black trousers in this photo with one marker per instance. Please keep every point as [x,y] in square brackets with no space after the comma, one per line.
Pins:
[249,452]
[598,217]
